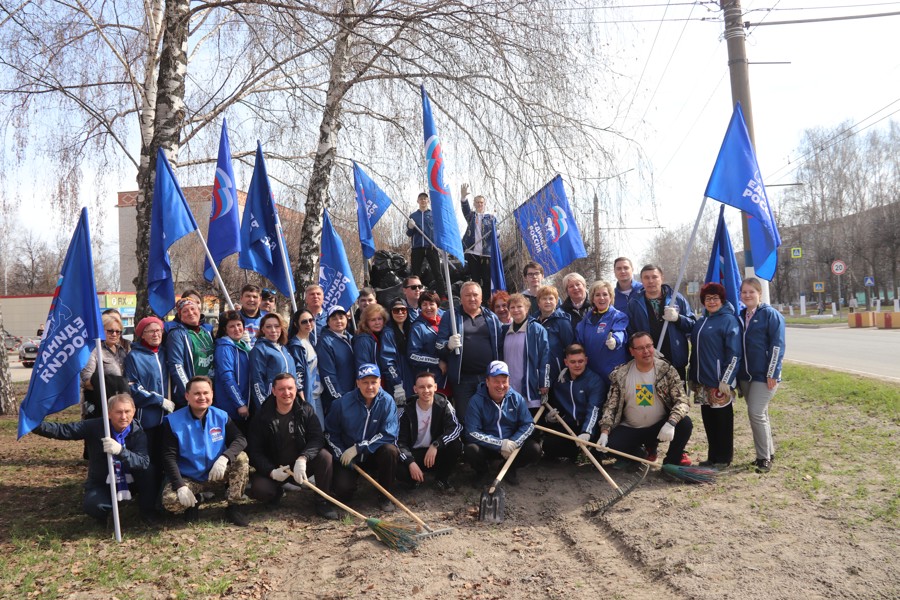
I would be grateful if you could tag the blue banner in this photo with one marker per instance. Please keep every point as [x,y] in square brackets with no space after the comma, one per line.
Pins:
[498,277]
[72,328]
[446,228]
[549,228]
[260,250]
[723,267]
[170,220]
[735,181]
[335,275]
[224,236]
[371,204]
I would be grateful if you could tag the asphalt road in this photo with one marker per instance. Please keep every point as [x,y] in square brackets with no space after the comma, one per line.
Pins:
[869,351]
[16,370]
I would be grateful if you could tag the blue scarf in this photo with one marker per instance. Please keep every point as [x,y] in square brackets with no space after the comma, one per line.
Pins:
[123,477]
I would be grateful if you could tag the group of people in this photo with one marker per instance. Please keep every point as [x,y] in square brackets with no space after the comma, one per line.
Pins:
[403,391]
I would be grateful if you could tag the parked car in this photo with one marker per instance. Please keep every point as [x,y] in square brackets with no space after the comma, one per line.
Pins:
[11,341]
[28,352]
[128,333]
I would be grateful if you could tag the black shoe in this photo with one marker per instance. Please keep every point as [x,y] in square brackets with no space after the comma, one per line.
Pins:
[385,505]
[151,519]
[479,479]
[277,499]
[512,477]
[237,517]
[191,515]
[327,511]
[444,485]
[763,465]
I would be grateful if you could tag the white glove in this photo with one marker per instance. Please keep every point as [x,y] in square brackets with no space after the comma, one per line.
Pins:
[411,224]
[111,446]
[217,472]
[168,405]
[584,437]
[552,416]
[399,394]
[667,433]
[245,337]
[455,342]
[611,343]
[463,191]
[348,455]
[300,471]
[186,497]
[724,389]
[280,474]
[670,313]
[603,441]
[507,447]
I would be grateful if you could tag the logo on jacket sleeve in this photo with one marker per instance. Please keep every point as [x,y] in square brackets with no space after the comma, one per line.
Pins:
[215,434]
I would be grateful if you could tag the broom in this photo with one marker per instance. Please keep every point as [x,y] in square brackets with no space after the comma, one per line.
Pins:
[679,472]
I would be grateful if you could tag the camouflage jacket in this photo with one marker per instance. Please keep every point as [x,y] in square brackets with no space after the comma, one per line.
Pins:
[668,387]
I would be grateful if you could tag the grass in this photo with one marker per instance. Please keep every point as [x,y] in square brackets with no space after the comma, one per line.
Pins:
[875,398]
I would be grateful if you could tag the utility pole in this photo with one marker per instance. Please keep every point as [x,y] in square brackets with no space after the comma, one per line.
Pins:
[740,92]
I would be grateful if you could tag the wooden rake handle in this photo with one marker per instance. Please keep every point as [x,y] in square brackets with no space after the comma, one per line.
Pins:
[336,502]
[512,456]
[391,497]
[599,447]
[581,445]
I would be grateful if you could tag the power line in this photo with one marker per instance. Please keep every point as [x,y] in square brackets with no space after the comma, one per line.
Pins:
[823,19]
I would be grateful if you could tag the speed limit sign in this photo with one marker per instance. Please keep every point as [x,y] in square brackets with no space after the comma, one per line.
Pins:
[838,267]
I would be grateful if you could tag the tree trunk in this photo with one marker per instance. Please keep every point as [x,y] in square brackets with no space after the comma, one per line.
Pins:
[307,269]
[166,133]
[8,405]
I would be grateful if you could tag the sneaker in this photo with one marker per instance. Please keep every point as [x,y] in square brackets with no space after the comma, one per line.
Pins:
[385,505]
[479,479]
[327,511]
[237,517]
[277,499]
[444,485]
[763,465]
[151,519]
[652,454]
[191,515]
[685,460]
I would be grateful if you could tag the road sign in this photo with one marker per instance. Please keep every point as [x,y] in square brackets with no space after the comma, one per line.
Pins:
[818,287]
[693,287]
[838,267]
[796,252]
[869,281]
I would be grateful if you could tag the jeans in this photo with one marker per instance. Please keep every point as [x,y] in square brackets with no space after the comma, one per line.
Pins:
[463,392]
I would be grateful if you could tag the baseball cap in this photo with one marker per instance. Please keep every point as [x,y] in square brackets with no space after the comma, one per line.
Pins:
[336,309]
[498,367]
[368,370]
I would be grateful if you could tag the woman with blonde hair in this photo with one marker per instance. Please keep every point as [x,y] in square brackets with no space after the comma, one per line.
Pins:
[374,343]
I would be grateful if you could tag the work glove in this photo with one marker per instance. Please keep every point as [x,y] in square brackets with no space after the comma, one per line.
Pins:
[186,497]
[455,342]
[245,337]
[217,472]
[300,471]
[670,313]
[348,455]
[507,447]
[167,405]
[584,437]
[399,394]
[463,191]
[411,224]
[611,343]
[667,433]
[552,416]
[724,389]
[280,474]
[603,441]
[111,446]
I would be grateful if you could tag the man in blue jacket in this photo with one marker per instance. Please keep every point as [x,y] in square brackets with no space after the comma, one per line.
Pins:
[422,222]
[626,286]
[498,422]
[361,428]
[578,397]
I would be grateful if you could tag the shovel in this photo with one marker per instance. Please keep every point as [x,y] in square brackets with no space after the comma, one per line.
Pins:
[492,505]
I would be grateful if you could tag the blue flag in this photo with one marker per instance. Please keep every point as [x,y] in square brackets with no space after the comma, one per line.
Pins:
[73,326]
[335,275]
[735,181]
[223,238]
[446,229]
[260,250]
[498,278]
[723,267]
[170,220]
[371,204]
[549,229]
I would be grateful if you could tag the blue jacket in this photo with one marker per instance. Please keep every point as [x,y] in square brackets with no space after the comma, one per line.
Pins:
[560,334]
[251,324]
[180,361]
[267,360]
[592,333]
[579,401]
[200,441]
[350,422]
[677,332]
[304,377]
[489,423]
[383,352]
[763,345]
[337,367]
[148,379]
[537,359]
[620,302]
[425,221]
[421,350]
[232,382]
[487,221]
[454,360]
[716,348]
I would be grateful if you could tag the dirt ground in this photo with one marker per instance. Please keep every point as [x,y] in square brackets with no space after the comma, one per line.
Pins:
[820,529]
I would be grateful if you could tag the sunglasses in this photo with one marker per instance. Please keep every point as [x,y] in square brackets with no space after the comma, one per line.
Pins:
[306,321]
[114,331]
[398,310]
[415,287]
[269,291]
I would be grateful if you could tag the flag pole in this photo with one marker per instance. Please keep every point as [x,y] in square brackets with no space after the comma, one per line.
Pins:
[446,261]
[684,261]
[284,261]
[215,269]
[104,410]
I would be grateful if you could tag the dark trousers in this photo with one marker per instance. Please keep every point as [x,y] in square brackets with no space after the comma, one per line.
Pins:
[265,489]
[480,272]
[463,392]
[630,439]
[97,501]
[444,462]
[478,457]
[382,464]
[557,447]
[417,257]
[719,426]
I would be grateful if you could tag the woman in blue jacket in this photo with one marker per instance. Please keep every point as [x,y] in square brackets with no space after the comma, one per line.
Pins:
[603,332]
[715,358]
[560,333]
[760,371]
[303,323]
[422,338]
[374,344]
[337,367]
[232,382]
[269,358]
